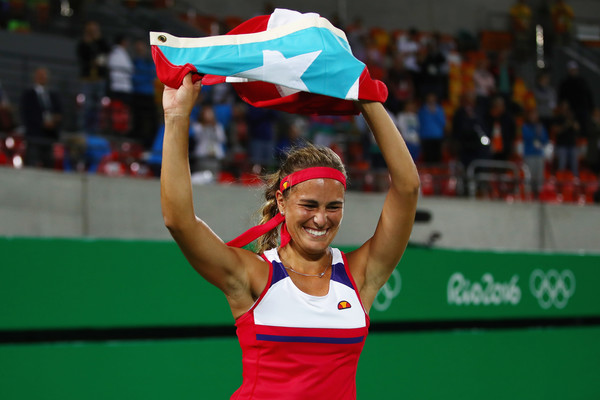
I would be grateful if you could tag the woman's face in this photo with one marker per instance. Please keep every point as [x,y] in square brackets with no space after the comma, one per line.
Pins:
[313,212]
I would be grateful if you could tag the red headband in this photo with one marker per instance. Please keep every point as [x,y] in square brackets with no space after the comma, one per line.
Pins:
[311,173]
[292,179]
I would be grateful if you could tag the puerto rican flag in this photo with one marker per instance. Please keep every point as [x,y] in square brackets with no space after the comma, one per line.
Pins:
[293,62]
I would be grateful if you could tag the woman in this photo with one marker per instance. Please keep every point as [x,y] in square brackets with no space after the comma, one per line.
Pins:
[297,306]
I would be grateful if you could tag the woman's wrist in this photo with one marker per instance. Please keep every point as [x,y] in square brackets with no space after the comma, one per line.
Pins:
[175,117]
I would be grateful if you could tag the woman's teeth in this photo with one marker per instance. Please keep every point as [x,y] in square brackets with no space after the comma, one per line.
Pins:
[314,232]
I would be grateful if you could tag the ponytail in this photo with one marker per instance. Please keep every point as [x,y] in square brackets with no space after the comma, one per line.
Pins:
[269,210]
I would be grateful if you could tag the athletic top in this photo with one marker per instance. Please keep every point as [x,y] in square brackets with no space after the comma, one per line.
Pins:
[299,346]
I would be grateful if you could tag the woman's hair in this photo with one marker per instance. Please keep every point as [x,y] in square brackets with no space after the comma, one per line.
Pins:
[297,158]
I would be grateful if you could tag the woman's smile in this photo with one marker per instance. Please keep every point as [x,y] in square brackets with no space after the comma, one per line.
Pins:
[315,232]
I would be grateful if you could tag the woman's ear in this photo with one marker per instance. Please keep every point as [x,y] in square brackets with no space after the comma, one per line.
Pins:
[280,202]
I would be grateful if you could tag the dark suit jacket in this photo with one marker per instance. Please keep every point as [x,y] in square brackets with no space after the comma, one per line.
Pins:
[32,114]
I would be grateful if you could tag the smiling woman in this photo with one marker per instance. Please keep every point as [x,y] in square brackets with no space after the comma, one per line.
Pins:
[301,307]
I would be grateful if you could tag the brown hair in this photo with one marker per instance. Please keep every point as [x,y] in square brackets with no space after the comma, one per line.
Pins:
[297,158]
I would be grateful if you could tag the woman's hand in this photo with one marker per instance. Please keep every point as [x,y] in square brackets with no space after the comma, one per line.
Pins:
[179,102]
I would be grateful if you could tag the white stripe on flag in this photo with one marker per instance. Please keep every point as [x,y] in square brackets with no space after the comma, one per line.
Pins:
[168,40]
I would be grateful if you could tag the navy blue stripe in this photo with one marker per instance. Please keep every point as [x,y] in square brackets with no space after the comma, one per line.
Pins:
[339,274]
[309,339]
[279,272]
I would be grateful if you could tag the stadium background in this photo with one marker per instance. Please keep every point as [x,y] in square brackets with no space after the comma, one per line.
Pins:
[98,302]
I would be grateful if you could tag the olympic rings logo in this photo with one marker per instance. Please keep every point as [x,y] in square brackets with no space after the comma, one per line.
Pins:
[389,291]
[552,288]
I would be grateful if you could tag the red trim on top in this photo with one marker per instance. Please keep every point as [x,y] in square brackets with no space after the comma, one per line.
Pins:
[347,267]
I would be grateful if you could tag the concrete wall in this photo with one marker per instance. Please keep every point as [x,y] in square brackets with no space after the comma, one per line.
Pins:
[38,203]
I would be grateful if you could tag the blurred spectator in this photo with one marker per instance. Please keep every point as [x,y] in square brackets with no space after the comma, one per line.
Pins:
[154,160]
[375,60]
[434,70]
[545,99]
[261,135]
[400,85]
[209,138]
[501,129]
[504,75]
[357,35]
[120,67]
[409,46]
[484,83]
[222,98]
[562,22]
[7,122]
[468,131]
[432,122]
[97,148]
[535,139]
[41,113]
[567,131]
[593,146]
[520,18]
[408,124]
[325,129]
[293,137]
[575,90]
[92,52]
[144,110]
[238,140]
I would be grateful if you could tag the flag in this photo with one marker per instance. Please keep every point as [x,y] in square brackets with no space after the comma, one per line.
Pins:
[293,62]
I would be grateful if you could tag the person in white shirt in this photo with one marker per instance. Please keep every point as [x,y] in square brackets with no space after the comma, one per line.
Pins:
[407,121]
[209,137]
[121,70]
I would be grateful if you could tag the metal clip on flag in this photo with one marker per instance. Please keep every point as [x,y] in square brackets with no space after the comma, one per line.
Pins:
[288,61]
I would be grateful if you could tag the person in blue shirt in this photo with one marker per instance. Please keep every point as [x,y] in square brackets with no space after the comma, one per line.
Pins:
[432,121]
[535,139]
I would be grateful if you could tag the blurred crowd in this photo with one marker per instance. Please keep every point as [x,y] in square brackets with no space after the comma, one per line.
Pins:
[454,104]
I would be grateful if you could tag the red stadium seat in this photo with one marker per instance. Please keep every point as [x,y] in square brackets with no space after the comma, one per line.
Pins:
[225,177]
[250,179]
[427,188]
[549,193]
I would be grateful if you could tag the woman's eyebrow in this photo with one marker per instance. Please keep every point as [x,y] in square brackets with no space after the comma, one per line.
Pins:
[309,201]
[316,203]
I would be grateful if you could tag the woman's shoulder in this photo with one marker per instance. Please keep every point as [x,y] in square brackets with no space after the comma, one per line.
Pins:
[337,256]
[271,255]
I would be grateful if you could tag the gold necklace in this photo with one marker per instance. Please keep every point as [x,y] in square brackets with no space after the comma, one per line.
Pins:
[311,275]
[314,275]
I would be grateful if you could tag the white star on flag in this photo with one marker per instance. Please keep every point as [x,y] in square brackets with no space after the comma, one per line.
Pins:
[289,70]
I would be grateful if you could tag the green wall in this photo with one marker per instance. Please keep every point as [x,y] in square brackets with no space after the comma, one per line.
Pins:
[534,364]
[64,284]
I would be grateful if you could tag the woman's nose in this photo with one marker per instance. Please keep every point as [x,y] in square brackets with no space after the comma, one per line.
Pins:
[320,218]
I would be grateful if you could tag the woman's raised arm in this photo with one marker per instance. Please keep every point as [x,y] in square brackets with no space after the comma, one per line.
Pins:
[227,268]
[373,262]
